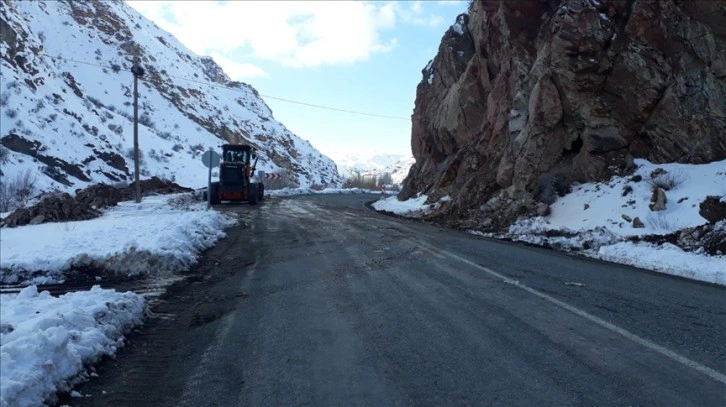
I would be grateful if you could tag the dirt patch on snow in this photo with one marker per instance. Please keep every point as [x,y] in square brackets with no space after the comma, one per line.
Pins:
[86,204]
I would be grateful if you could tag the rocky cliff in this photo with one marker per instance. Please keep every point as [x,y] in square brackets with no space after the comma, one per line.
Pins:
[528,96]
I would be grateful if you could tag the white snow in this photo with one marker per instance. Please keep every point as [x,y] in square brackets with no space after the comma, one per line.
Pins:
[407,207]
[414,207]
[47,342]
[600,230]
[166,231]
[458,26]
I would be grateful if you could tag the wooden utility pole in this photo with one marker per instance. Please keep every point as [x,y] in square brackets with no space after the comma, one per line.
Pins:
[138,72]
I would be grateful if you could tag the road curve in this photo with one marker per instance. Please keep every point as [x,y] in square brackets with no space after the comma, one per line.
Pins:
[319,301]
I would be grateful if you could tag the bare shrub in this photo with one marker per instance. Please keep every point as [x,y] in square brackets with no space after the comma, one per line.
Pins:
[157,155]
[96,102]
[6,198]
[668,180]
[154,155]
[197,150]
[130,155]
[361,181]
[145,120]
[661,222]
[16,193]
[116,129]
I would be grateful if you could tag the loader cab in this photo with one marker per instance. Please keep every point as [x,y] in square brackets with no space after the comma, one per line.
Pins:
[236,153]
[235,169]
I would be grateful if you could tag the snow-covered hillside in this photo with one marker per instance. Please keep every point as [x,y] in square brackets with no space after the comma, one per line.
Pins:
[66,102]
[375,165]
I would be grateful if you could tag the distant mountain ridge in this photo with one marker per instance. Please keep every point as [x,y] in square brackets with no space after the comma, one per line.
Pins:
[374,165]
[66,102]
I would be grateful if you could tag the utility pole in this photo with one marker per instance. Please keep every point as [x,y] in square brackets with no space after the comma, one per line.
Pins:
[138,72]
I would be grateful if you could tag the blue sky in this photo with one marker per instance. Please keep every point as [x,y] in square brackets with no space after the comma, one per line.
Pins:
[350,55]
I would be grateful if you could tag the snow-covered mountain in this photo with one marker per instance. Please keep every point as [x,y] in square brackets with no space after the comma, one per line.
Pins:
[374,165]
[66,102]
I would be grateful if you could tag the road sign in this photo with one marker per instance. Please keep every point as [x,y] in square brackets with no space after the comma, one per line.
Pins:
[273,175]
[210,158]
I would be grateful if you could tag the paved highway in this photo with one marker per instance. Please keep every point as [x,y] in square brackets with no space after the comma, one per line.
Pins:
[319,301]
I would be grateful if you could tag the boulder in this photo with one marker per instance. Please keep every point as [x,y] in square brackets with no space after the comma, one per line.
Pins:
[713,209]
[658,199]
[543,209]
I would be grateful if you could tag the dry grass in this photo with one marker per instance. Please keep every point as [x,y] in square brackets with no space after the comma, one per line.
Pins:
[668,181]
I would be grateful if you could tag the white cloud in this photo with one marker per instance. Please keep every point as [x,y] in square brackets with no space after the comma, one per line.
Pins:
[416,13]
[236,70]
[296,33]
[458,3]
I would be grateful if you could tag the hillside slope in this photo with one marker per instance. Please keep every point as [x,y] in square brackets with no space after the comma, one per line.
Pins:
[66,102]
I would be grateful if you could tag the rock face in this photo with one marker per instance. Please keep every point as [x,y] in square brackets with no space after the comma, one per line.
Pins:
[522,91]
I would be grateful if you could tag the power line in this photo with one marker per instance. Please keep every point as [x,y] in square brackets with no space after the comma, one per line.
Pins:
[247,92]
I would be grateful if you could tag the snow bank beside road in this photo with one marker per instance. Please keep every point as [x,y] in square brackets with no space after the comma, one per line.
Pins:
[162,234]
[590,219]
[45,341]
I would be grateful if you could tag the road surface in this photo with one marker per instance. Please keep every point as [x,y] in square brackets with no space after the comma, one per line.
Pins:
[319,301]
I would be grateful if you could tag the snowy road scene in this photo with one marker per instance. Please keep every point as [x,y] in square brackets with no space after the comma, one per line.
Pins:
[315,298]
[362,203]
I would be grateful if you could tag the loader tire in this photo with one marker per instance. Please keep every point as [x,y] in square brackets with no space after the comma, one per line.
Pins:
[254,194]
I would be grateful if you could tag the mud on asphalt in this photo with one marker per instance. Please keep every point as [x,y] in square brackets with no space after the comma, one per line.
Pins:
[148,369]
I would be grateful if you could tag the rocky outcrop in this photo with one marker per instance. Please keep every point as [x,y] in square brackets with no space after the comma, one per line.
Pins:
[709,238]
[522,91]
[713,209]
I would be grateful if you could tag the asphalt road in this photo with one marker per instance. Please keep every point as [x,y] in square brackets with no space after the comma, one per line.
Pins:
[318,301]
